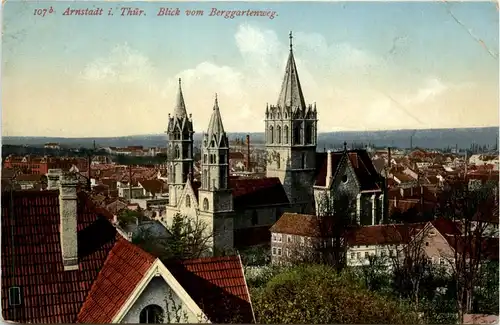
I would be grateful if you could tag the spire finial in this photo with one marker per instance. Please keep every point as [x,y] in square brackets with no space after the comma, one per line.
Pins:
[179,82]
[345,145]
[291,37]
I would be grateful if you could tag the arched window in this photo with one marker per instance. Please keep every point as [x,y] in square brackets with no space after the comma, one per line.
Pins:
[205,179]
[177,152]
[285,131]
[151,314]
[303,161]
[309,135]
[271,134]
[205,158]
[296,134]
[255,218]
[278,161]
[188,201]
[205,204]
[278,135]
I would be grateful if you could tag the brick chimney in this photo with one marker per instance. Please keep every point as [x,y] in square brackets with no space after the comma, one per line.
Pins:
[68,220]
[248,152]
[53,179]
[329,172]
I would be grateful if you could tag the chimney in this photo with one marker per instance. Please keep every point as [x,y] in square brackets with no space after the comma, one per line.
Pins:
[248,152]
[329,173]
[389,158]
[53,179]
[68,221]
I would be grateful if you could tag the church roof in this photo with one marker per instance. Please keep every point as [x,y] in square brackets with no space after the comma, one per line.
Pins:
[366,174]
[180,107]
[291,92]
[215,126]
[252,192]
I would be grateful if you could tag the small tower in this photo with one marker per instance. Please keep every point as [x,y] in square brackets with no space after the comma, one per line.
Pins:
[180,148]
[291,139]
[215,196]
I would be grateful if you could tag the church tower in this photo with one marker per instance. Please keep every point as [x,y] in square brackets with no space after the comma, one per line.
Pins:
[180,148]
[215,196]
[291,139]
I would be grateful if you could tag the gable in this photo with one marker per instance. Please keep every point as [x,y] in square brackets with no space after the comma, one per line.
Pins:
[159,293]
[158,286]
[188,196]
[344,178]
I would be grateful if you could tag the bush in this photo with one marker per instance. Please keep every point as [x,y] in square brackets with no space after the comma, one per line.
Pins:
[317,294]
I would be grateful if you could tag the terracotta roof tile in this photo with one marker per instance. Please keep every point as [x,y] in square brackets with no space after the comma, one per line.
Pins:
[31,256]
[218,286]
[383,234]
[124,268]
[298,224]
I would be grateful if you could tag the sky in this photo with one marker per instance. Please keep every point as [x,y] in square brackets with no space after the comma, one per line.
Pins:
[366,65]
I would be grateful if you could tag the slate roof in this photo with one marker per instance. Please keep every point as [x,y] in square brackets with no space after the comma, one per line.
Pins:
[252,192]
[363,167]
[218,286]
[32,260]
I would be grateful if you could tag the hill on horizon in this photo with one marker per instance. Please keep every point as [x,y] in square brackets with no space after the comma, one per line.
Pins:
[426,138]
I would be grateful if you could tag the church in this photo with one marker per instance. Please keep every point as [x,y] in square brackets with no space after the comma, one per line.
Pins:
[240,211]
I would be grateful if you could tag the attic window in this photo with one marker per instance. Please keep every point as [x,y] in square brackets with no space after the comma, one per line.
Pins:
[344,179]
[14,296]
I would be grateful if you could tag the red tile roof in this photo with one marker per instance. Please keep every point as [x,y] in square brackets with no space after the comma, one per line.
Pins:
[392,234]
[124,268]
[257,192]
[32,260]
[300,225]
[363,167]
[218,287]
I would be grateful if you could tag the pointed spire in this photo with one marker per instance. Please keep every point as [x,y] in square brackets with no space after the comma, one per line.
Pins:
[180,106]
[291,91]
[215,126]
[291,43]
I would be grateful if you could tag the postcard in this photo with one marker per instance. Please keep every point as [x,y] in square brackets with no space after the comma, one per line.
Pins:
[250,162]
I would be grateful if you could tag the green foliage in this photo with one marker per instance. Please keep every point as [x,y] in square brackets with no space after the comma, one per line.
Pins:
[256,256]
[187,239]
[486,294]
[317,294]
[126,217]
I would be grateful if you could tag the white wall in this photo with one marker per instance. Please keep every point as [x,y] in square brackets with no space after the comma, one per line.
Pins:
[156,293]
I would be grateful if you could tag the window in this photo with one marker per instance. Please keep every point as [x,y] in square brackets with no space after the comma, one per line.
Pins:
[309,134]
[344,179]
[353,255]
[274,250]
[302,240]
[14,296]
[366,254]
[205,204]
[279,238]
[288,253]
[278,135]
[255,218]
[279,251]
[426,243]
[278,158]
[188,201]
[285,131]
[205,158]
[289,239]
[391,253]
[177,152]
[303,161]
[358,255]
[271,134]
[152,314]
[274,237]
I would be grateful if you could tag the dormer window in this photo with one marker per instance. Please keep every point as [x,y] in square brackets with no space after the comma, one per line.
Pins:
[14,296]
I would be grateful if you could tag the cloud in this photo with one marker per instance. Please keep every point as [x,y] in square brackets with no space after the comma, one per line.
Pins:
[123,64]
[123,93]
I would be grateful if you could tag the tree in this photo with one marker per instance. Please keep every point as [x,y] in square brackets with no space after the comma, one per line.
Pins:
[188,238]
[127,217]
[472,208]
[316,294]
